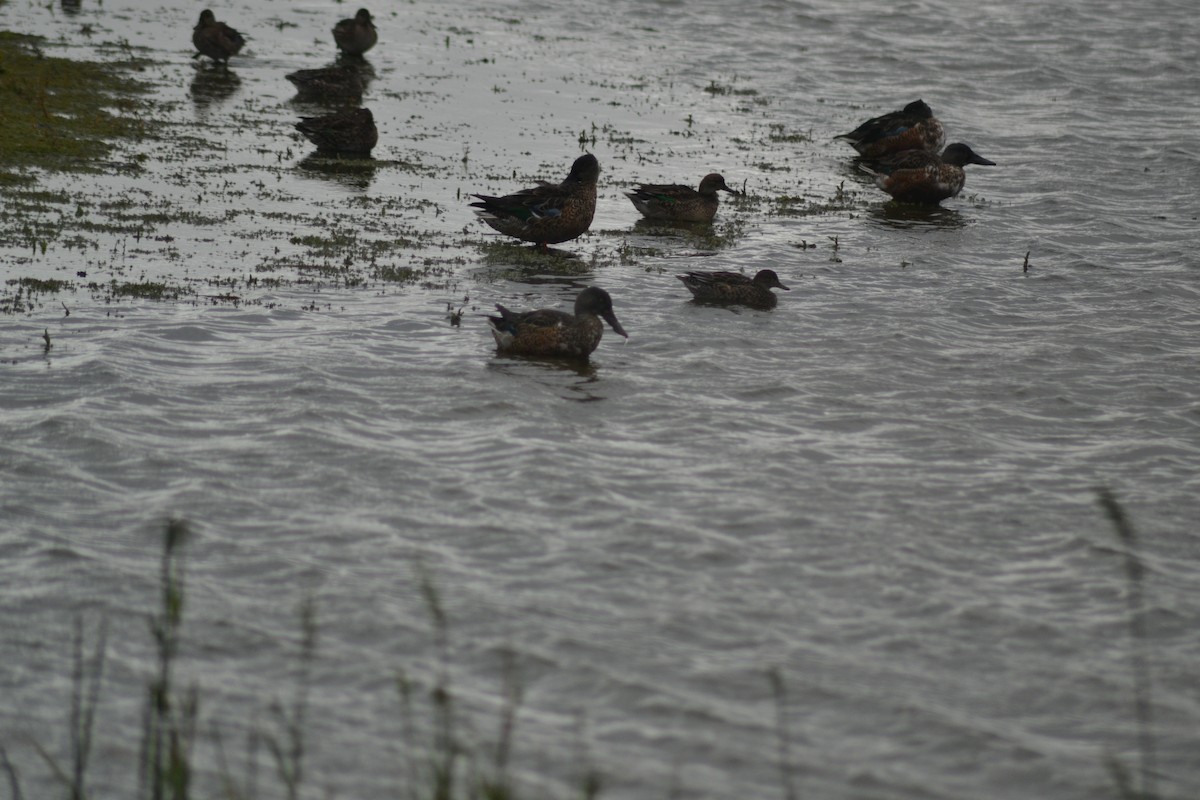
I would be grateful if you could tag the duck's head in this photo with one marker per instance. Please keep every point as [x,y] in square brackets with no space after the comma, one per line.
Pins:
[586,169]
[594,300]
[919,109]
[768,278]
[713,183]
[960,155]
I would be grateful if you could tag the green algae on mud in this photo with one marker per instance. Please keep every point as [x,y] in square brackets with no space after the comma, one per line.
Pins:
[60,114]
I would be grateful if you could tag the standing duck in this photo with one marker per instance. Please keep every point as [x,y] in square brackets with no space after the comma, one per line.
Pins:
[215,39]
[550,332]
[356,36]
[911,128]
[548,213]
[919,176]
[734,288]
[675,202]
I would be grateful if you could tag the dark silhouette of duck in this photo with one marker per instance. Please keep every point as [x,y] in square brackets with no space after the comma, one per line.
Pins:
[337,83]
[356,36]
[215,39]
[349,132]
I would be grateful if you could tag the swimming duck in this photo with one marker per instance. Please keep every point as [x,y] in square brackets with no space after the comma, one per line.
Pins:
[919,176]
[549,332]
[356,36]
[215,39]
[330,83]
[734,288]
[348,132]
[678,203]
[911,128]
[548,213]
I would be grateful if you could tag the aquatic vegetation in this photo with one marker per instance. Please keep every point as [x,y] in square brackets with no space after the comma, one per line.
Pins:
[62,114]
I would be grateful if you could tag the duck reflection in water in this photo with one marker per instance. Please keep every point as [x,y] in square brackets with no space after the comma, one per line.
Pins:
[351,172]
[213,86]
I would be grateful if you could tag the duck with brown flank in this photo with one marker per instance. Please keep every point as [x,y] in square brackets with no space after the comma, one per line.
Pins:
[674,202]
[548,213]
[919,176]
[911,128]
[550,332]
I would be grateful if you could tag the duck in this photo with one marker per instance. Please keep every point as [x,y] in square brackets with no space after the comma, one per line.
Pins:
[919,176]
[911,128]
[356,36]
[338,82]
[548,213]
[674,202]
[215,39]
[348,132]
[734,288]
[550,332]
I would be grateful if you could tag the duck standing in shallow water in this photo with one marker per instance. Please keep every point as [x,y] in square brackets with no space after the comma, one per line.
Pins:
[351,132]
[919,176]
[549,332]
[215,39]
[911,128]
[548,213]
[674,202]
[734,288]
[356,36]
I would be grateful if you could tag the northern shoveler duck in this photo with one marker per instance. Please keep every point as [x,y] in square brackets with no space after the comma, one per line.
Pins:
[340,83]
[548,213]
[348,132]
[675,202]
[549,332]
[919,176]
[356,36]
[734,288]
[215,39]
[911,128]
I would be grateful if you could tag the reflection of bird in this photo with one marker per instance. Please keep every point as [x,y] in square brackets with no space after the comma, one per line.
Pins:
[734,288]
[349,132]
[356,36]
[549,332]
[331,83]
[919,176]
[548,213]
[911,128]
[215,39]
[678,203]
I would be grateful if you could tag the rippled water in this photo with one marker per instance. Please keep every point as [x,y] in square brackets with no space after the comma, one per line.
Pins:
[884,488]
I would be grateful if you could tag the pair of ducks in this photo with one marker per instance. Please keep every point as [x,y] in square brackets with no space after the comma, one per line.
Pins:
[552,213]
[902,148]
[220,42]
[350,132]
[554,333]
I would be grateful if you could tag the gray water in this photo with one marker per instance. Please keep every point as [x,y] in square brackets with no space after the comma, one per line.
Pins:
[885,488]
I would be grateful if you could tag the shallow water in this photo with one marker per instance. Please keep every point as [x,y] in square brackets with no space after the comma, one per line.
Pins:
[884,488]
